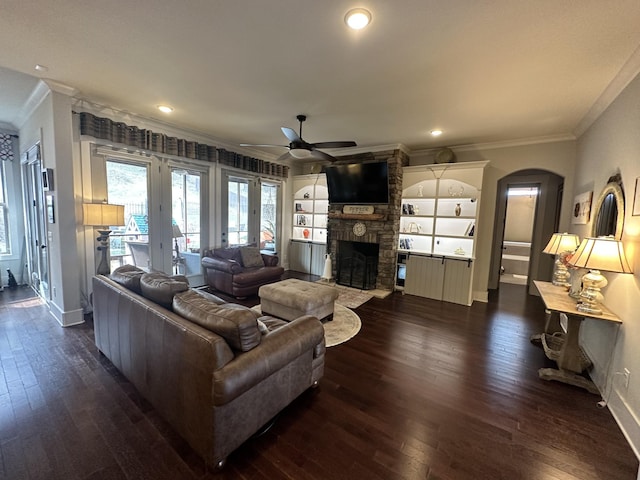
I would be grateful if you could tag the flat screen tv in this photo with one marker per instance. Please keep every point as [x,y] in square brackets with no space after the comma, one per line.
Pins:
[358,183]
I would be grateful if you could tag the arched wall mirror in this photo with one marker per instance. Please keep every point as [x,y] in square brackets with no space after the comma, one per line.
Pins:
[608,216]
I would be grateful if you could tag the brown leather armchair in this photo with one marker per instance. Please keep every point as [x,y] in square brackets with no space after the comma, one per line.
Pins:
[240,271]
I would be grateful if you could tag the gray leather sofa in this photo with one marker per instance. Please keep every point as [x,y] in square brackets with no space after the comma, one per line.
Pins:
[210,368]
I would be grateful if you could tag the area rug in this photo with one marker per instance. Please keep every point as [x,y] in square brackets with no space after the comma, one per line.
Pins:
[344,326]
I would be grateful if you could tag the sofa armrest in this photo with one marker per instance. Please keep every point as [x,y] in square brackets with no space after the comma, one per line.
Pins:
[228,266]
[270,260]
[277,349]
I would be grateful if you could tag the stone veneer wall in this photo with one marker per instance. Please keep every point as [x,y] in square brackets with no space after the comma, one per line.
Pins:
[384,232]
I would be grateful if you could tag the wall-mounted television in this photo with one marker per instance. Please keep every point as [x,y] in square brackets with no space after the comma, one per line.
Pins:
[358,183]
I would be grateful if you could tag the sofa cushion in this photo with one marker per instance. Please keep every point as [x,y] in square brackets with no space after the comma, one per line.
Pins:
[251,257]
[230,253]
[160,287]
[237,324]
[128,276]
[209,296]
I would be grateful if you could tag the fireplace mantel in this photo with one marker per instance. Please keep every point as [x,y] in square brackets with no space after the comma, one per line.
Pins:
[359,216]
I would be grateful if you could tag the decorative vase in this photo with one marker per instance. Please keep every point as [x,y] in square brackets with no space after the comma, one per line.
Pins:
[458,210]
[305,233]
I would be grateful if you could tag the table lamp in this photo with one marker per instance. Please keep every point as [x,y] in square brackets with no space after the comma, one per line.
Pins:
[601,253]
[560,244]
[103,215]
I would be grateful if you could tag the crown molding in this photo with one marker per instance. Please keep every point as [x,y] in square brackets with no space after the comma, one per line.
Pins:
[628,72]
[522,142]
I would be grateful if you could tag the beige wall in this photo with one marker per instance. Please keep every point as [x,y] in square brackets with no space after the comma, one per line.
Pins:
[611,145]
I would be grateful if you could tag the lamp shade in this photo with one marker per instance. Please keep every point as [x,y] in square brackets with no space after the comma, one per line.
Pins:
[601,253]
[102,214]
[561,242]
[175,231]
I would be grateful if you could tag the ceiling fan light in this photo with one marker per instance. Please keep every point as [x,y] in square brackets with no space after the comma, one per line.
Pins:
[358,18]
[300,152]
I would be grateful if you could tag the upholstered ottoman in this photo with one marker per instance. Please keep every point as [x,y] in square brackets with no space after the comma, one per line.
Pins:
[292,298]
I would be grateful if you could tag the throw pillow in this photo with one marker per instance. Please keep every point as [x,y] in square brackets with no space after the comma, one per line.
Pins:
[251,257]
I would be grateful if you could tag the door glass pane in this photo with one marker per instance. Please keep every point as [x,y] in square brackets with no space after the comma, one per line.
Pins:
[268,218]
[185,210]
[238,233]
[127,185]
[4,226]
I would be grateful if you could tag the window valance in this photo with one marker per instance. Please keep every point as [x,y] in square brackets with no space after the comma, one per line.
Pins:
[6,146]
[119,132]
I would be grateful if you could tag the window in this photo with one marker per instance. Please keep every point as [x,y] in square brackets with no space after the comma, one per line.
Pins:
[238,198]
[268,216]
[4,214]
[127,185]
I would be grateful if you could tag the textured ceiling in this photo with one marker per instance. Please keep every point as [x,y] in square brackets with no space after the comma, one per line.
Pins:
[483,71]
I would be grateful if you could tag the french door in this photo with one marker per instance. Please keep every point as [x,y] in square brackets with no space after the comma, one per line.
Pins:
[36,222]
[251,211]
[166,212]
[188,204]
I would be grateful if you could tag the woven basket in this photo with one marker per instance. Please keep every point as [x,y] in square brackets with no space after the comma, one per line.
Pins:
[552,345]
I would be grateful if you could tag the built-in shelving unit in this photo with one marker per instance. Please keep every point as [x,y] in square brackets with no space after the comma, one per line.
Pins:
[440,206]
[309,224]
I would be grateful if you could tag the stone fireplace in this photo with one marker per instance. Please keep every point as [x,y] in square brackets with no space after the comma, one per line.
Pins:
[382,227]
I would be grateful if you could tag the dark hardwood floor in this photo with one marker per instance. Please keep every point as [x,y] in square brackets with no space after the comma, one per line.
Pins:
[426,390]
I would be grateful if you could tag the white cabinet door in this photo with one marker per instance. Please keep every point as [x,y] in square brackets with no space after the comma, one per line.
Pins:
[300,256]
[457,281]
[425,276]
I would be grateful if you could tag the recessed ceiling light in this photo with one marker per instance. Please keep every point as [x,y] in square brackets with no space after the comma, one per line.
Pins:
[41,68]
[358,18]
[436,132]
[165,108]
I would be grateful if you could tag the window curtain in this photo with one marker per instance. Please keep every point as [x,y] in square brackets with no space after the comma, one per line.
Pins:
[6,147]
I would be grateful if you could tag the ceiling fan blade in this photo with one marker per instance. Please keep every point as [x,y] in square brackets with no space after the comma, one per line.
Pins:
[322,156]
[262,145]
[344,144]
[291,134]
[284,157]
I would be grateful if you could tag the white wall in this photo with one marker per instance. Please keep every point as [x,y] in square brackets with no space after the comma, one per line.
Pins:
[610,145]
[50,123]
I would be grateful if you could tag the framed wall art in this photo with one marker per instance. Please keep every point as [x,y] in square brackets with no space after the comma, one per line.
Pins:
[51,209]
[581,208]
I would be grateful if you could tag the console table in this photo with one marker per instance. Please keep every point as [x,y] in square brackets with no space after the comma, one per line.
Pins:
[565,349]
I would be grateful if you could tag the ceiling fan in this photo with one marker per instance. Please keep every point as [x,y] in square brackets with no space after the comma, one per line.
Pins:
[298,148]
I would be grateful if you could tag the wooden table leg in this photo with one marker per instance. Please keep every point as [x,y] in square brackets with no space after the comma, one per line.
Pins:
[570,360]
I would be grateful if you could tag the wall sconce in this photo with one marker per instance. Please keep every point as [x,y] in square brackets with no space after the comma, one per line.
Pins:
[601,253]
[103,215]
[559,245]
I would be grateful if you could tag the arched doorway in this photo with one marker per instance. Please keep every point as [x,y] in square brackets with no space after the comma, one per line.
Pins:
[545,223]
